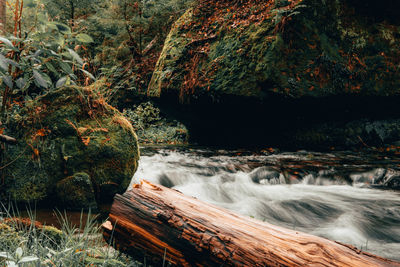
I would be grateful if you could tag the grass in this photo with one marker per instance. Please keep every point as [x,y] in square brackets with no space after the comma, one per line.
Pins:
[27,243]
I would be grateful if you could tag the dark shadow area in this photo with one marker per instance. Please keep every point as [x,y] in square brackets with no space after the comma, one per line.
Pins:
[379,11]
[248,122]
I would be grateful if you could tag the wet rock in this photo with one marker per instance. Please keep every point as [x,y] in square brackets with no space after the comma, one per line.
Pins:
[371,177]
[357,133]
[165,181]
[265,175]
[391,179]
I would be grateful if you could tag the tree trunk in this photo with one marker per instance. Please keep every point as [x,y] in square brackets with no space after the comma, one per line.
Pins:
[162,223]
[3,18]
[72,5]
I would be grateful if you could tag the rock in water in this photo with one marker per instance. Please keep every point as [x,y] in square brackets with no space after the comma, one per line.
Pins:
[73,148]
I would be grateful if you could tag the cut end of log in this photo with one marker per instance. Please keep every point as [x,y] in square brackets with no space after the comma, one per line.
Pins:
[107,226]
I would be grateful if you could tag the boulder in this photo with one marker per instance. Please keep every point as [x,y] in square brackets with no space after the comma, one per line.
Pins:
[72,148]
[292,48]
[276,72]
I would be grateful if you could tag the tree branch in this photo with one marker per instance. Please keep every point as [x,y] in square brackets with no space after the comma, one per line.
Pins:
[7,139]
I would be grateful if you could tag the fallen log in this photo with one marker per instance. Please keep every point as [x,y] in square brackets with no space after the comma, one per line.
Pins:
[163,224]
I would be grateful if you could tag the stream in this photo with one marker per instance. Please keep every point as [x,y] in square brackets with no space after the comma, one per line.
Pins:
[348,197]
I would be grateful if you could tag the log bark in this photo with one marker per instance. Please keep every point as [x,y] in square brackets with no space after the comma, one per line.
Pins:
[155,221]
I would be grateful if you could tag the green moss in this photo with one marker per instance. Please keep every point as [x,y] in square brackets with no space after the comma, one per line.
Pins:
[56,236]
[303,49]
[76,191]
[74,132]
[173,51]
[9,238]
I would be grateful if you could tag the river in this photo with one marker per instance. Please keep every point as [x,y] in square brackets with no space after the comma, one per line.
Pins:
[343,196]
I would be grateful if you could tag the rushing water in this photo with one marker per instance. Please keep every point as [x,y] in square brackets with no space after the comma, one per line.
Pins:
[325,194]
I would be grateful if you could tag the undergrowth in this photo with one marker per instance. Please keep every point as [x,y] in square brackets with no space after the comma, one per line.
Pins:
[152,128]
[27,243]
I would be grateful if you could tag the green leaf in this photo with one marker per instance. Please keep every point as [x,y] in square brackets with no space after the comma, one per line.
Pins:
[12,62]
[37,53]
[40,80]
[6,42]
[84,38]
[3,62]
[51,68]
[73,76]
[62,81]
[6,255]
[28,259]
[21,82]
[59,39]
[11,264]
[65,67]
[75,56]
[8,81]
[88,74]
[19,252]
[59,27]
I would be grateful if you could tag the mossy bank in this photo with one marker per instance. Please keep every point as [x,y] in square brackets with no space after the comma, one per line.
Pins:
[290,55]
[73,149]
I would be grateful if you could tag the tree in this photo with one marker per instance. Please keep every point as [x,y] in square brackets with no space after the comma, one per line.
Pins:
[147,21]
[70,10]
[3,19]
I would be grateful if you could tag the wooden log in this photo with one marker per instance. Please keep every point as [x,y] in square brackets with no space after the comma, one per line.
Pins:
[153,221]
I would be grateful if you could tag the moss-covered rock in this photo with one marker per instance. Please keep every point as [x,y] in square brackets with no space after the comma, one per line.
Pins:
[291,48]
[70,132]
[53,234]
[76,191]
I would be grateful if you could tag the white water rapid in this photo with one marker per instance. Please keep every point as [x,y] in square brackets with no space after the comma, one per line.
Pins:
[319,203]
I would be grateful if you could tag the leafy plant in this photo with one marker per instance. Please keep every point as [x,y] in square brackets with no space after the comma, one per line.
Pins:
[282,16]
[152,128]
[70,10]
[41,61]
[14,260]
[144,115]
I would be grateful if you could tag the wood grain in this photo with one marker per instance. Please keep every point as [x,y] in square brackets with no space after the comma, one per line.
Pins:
[153,220]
